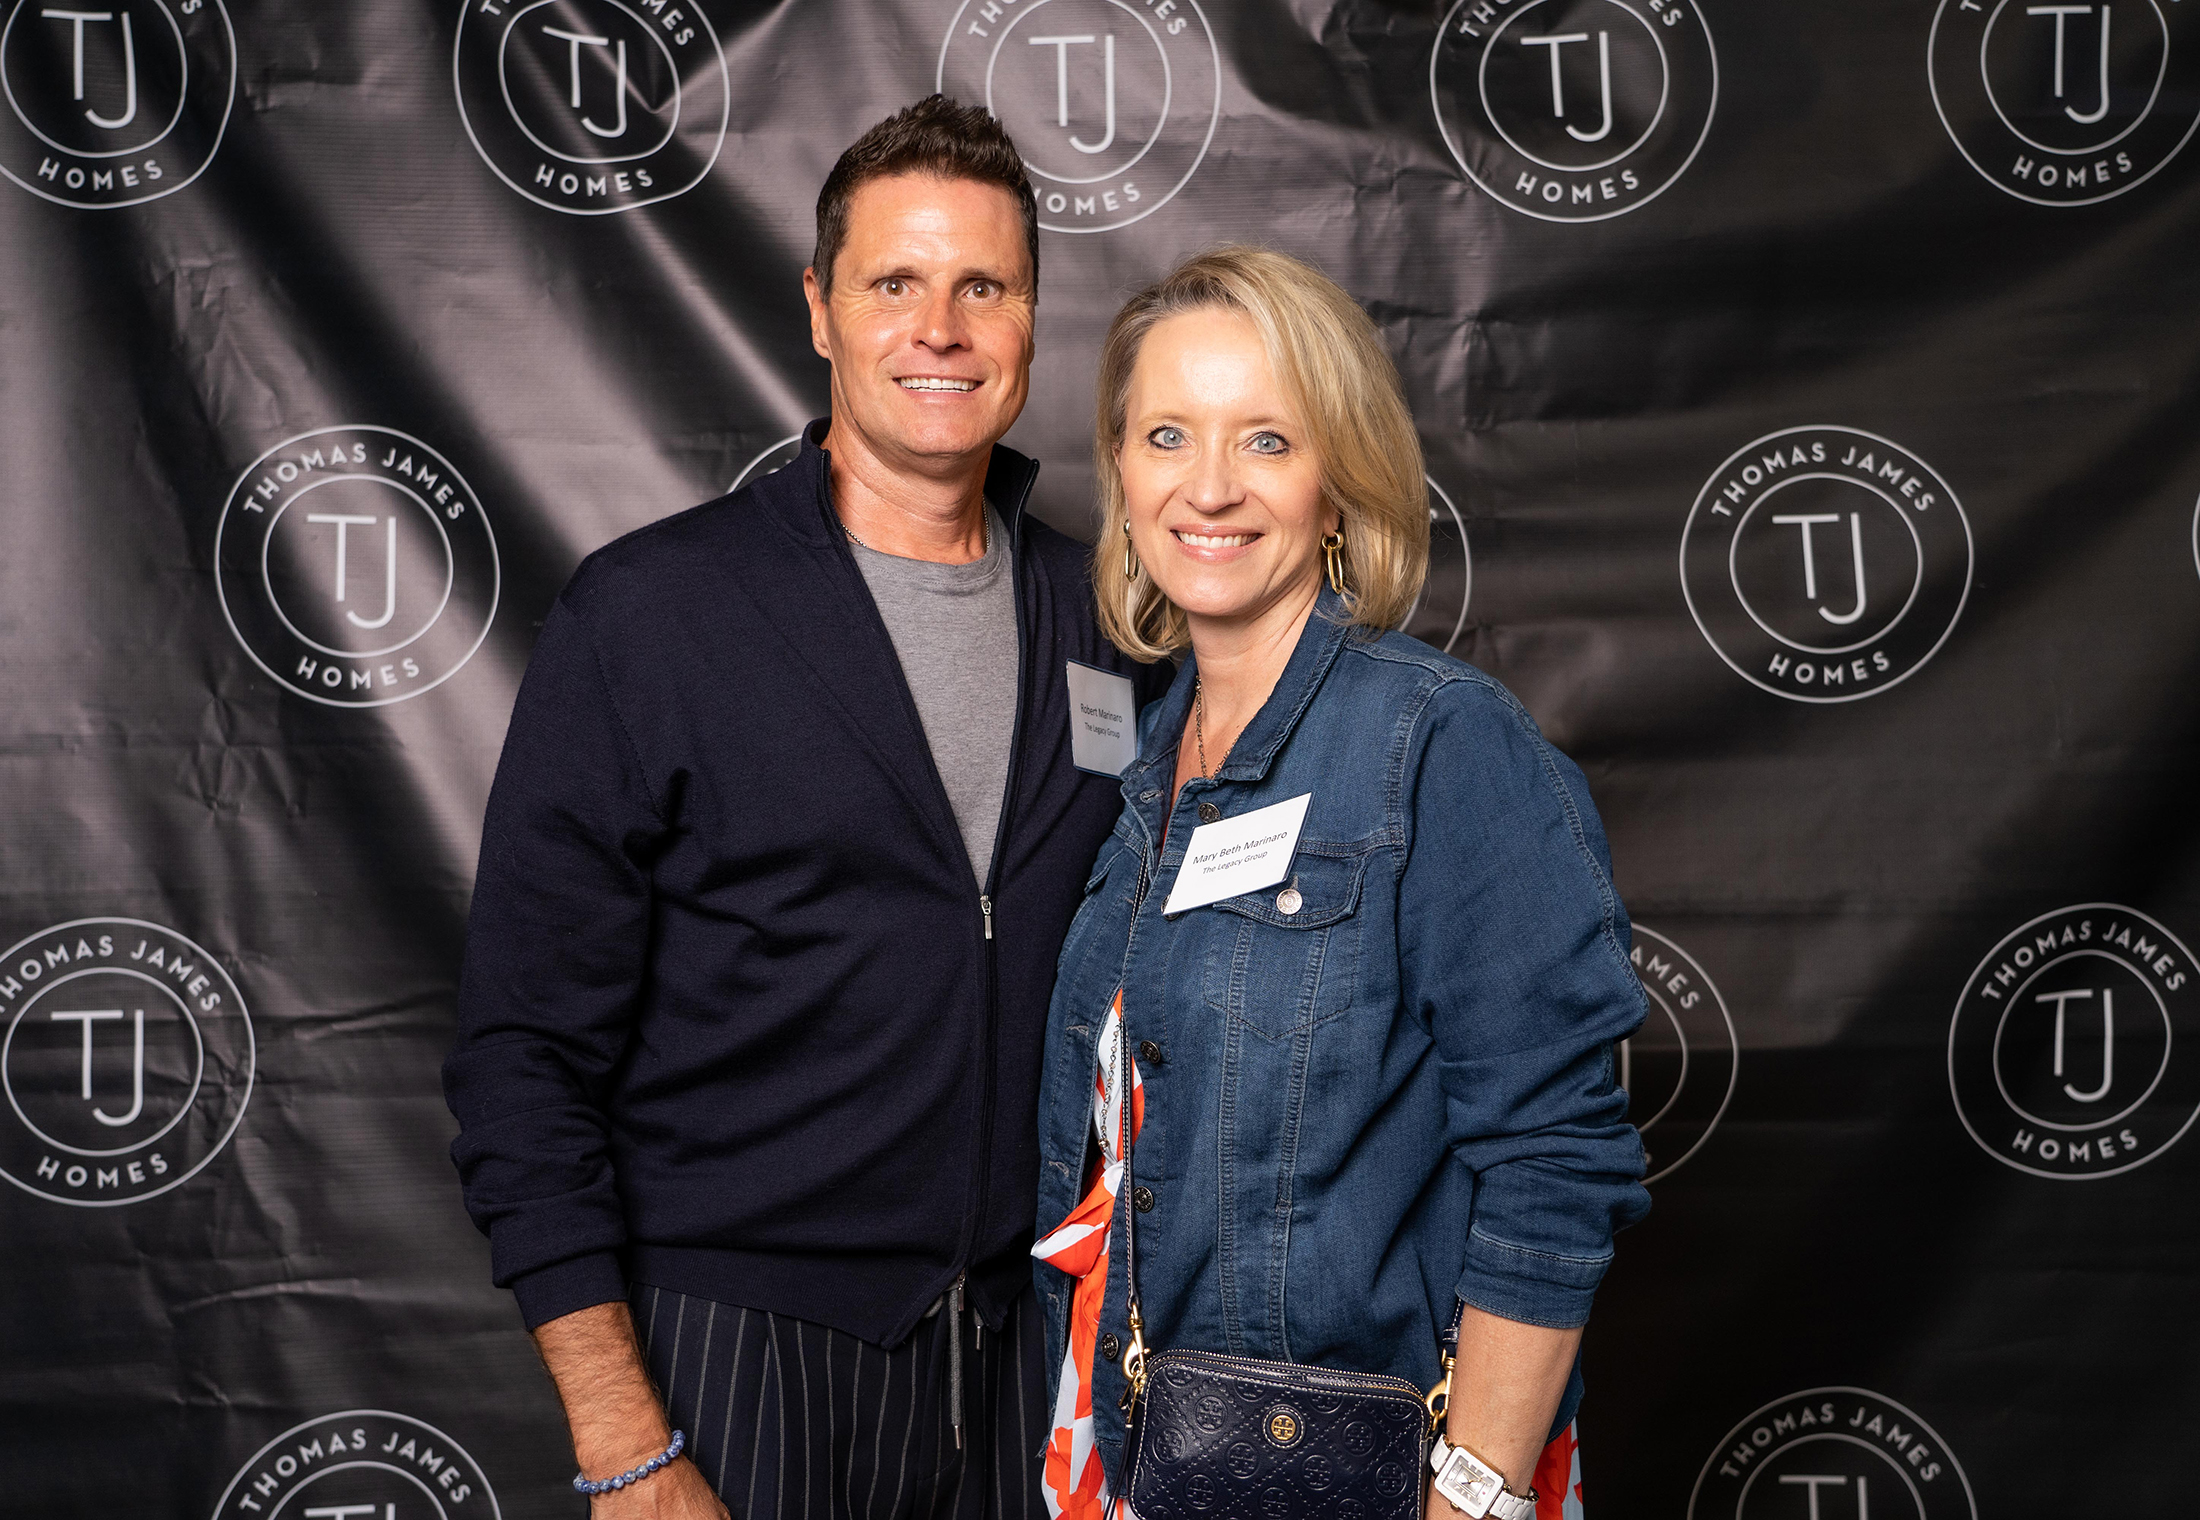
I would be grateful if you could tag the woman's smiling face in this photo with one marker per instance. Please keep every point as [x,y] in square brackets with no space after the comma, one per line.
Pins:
[1224,493]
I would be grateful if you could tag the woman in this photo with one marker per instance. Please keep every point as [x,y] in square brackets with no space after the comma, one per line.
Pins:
[1374,1098]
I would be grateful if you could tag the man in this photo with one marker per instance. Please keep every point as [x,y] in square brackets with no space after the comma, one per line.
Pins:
[787,832]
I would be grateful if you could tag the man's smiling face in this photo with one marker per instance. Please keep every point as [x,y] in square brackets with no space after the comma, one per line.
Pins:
[928,321]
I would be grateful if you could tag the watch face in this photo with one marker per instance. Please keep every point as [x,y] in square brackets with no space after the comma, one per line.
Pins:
[1469,1484]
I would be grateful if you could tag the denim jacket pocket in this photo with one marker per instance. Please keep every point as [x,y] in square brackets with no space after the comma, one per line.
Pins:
[1288,955]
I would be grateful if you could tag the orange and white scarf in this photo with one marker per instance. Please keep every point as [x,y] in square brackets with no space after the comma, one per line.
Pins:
[1075,1485]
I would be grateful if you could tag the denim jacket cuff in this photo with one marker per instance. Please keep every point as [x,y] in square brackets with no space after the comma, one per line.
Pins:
[1532,1287]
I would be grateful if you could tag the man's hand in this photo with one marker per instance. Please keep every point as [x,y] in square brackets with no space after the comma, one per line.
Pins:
[675,1492]
[616,1418]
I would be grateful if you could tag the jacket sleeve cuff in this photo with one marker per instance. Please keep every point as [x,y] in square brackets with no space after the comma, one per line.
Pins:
[548,1293]
[1532,1287]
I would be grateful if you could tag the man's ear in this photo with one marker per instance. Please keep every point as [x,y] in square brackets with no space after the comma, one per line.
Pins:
[814,293]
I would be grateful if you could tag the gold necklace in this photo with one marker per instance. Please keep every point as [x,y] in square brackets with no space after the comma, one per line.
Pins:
[1209,811]
[1199,722]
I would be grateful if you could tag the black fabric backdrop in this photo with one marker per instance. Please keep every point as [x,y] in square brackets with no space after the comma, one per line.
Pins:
[1816,385]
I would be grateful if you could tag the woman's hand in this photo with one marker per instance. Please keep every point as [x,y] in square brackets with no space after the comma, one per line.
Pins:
[1506,1382]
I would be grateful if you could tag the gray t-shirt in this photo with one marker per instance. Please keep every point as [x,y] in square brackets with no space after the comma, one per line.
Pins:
[954,627]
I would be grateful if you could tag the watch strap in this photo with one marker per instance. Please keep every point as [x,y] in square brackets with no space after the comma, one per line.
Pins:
[1512,1506]
[1473,1487]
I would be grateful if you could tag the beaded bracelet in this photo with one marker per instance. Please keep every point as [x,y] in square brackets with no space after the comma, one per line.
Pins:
[582,1485]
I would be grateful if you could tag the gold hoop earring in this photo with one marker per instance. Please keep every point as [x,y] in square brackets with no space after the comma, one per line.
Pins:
[1333,551]
[1130,560]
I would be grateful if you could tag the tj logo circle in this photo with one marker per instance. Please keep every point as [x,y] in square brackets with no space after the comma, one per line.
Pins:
[1679,1069]
[1825,564]
[355,566]
[2065,105]
[360,1464]
[1112,102]
[2062,1056]
[114,105]
[1439,616]
[1832,1454]
[1574,110]
[126,1063]
[592,106]
[770,462]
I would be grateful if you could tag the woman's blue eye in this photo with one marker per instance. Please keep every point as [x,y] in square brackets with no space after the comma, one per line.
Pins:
[1268,443]
[1167,438]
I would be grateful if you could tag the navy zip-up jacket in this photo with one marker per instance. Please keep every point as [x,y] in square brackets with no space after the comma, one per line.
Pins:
[734,1019]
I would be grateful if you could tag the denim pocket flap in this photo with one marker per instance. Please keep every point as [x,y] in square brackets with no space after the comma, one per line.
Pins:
[1321,890]
[1101,867]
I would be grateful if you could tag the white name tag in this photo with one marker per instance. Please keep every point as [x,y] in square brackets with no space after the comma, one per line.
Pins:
[1241,854]
[1103,720]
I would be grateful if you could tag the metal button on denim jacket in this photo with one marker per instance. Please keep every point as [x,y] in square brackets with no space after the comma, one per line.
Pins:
[1385,1084]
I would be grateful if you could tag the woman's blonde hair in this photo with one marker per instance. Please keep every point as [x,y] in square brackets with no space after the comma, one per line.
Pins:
[1335,373]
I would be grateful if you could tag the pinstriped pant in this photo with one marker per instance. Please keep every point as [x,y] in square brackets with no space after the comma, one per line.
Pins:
[795,1421]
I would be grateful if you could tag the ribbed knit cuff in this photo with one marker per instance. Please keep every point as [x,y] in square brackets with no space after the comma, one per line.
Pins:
[559,1289]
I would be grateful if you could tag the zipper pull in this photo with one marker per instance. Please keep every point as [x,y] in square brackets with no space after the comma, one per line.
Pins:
[955,1358]
[985,906]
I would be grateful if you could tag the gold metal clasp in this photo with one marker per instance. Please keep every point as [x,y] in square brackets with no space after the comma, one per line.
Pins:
[1439,1399]
[1134,1361]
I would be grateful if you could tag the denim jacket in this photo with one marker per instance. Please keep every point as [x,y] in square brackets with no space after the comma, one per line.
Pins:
[1391,1094]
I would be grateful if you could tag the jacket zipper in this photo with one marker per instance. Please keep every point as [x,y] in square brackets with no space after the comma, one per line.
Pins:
[990,1037]
[989,1043]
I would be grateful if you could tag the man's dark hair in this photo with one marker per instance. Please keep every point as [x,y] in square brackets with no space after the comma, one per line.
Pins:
[936,136]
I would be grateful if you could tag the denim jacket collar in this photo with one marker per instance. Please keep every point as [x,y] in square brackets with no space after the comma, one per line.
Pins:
[1320,640]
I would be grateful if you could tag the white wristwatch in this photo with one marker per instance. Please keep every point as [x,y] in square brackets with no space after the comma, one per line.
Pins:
[1473,1487]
